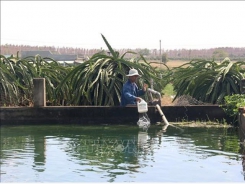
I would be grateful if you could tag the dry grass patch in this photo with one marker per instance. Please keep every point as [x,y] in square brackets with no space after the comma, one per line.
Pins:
[203,124]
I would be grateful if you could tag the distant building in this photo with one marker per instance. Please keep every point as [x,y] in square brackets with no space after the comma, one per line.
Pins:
[7,55]
[56,57]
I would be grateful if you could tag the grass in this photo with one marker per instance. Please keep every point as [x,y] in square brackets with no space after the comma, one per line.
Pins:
[207,124]
[169,90]
[168,94]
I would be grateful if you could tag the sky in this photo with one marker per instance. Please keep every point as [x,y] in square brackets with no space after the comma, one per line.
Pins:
[125,24]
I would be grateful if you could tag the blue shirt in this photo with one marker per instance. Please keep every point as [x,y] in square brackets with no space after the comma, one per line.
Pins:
[129,92]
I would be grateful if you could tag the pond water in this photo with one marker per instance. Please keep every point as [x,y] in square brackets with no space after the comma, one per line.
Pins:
[75,153]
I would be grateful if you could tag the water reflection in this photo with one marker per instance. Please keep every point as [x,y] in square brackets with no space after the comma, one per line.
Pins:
[242,146]
[111,153]
[39,153]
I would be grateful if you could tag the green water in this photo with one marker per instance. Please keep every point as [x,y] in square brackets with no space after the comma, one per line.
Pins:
[119,154]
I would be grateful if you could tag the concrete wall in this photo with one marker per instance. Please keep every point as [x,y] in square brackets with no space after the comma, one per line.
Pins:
[241,121]
[105,115]
[241,131]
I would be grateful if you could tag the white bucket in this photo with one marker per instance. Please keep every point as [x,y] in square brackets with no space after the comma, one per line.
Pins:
[142,106]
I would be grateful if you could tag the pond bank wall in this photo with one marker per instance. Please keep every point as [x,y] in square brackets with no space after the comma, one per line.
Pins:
[88,115]
[241,121]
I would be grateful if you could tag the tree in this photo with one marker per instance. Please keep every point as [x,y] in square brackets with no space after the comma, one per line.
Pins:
[220,54]
[17,79]
[99,80]
[164,58]
[208,81]
[144,52]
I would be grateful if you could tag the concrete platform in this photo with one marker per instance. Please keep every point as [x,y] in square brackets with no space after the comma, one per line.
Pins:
[87,115]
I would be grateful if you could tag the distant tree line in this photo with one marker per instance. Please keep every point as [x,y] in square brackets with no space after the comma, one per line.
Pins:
[234,53]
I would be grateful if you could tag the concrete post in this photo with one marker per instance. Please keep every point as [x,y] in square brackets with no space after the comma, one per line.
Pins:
[39,93]
[242,86]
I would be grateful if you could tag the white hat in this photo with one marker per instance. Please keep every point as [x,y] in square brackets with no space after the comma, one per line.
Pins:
[132,72]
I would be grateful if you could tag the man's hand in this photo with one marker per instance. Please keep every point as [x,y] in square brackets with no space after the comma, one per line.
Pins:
[145,86]
[138,99]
